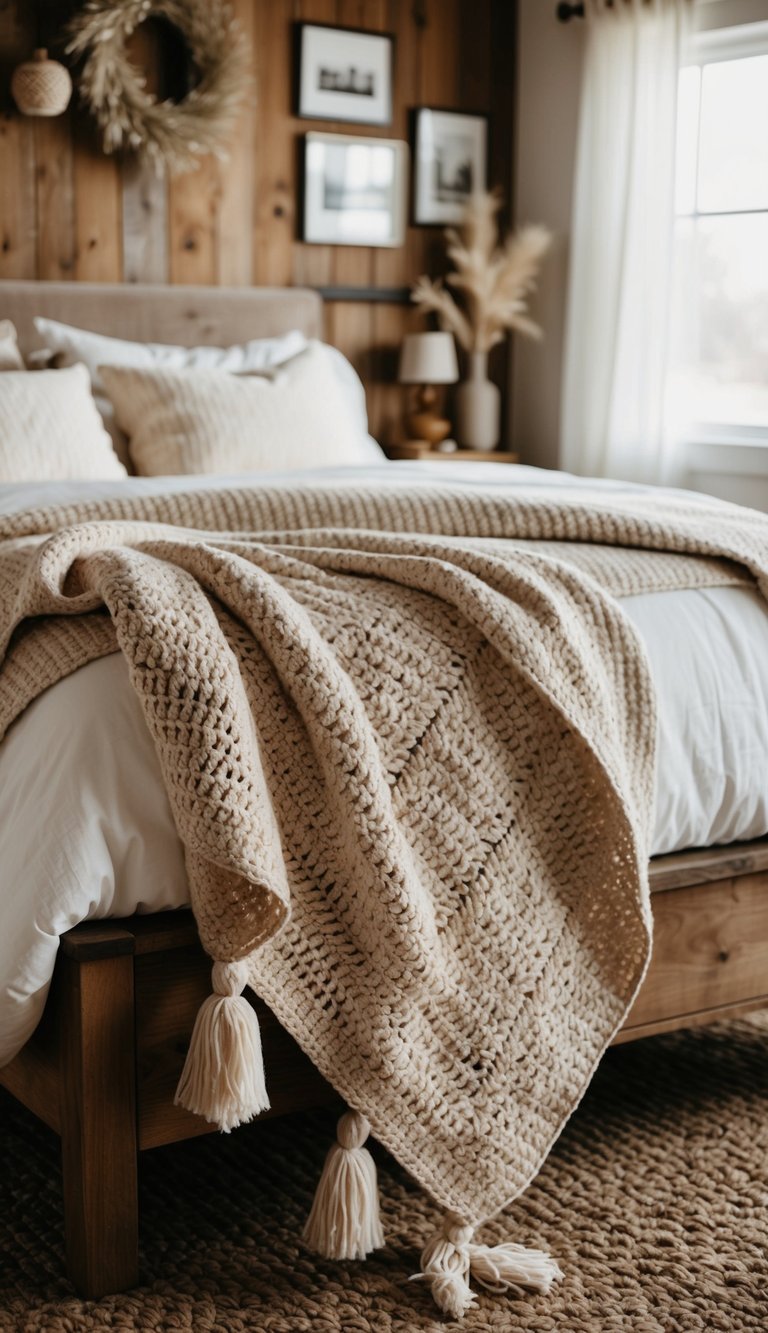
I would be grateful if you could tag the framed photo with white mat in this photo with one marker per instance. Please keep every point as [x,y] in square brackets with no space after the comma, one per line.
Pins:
[355,190]
[450,162]
[344,74]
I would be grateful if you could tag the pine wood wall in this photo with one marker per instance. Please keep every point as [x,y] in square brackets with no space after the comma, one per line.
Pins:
[69,212]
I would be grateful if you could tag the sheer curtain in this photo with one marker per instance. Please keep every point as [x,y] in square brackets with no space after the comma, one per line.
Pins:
[617,325]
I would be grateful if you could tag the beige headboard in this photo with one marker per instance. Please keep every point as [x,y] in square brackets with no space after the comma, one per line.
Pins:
[215,316]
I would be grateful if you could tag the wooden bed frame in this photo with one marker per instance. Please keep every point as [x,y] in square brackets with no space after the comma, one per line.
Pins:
[103,1065]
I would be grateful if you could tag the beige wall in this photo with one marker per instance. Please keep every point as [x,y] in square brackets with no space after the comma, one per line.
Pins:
[549,70]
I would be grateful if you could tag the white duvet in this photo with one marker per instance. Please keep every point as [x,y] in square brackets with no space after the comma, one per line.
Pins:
[86,830]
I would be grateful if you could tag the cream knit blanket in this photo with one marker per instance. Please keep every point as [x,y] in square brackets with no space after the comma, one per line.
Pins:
[408,739]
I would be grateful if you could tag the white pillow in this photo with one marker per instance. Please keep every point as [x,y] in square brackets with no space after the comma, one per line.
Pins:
[96,349]
[208,421]
[261,354]
[50,429]
[10,356]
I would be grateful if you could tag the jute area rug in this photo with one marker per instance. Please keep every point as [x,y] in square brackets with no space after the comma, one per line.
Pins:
[655,1202]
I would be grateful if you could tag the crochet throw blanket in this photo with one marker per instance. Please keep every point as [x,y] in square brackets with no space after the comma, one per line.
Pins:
[407,735]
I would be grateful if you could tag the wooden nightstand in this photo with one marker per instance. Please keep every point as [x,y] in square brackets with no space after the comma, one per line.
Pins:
[417,450]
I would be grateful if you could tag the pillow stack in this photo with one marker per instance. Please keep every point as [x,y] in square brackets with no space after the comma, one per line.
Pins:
[269,404]
[70,346]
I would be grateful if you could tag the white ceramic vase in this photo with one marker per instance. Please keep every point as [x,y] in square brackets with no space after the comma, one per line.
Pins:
[478,406]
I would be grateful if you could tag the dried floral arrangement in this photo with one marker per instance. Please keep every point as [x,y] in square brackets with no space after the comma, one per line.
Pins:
[493,278]
[172,133]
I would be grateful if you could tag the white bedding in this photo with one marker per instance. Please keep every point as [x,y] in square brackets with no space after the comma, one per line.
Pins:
[80,764]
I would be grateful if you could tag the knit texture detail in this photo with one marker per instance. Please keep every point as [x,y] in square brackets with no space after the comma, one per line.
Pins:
[278,419]
[410,754]
[50,428]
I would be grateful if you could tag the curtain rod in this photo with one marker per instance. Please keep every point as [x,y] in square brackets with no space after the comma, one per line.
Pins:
[566,12]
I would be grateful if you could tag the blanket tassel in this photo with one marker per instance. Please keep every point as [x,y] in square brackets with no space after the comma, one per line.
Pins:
[344,1222]
[223,1075]
[449,1259]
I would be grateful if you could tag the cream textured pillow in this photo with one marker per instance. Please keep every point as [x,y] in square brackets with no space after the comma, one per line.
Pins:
[50,429]
[210,421]
[10,356]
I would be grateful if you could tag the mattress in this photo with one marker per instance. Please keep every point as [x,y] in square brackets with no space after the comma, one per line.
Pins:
[85,826]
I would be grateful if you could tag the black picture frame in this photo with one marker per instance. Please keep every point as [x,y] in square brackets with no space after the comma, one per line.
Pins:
[328,200]
[469,131]
[343,104]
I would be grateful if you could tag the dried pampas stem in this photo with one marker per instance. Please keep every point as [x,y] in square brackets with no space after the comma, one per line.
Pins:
[494,280]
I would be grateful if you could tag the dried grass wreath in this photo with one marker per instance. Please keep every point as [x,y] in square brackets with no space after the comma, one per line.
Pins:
[174,133]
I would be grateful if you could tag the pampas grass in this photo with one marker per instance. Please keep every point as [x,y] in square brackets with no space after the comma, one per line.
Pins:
[493,279]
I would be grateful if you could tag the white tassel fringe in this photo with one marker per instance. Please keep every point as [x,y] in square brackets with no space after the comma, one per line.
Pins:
[223,1076]
[344,1222]
[449,1259]
[445,1266]
[499,1267]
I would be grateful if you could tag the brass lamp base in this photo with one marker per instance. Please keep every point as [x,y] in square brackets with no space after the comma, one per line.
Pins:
[424,423]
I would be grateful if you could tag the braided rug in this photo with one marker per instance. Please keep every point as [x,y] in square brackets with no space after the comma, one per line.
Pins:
[654,1199]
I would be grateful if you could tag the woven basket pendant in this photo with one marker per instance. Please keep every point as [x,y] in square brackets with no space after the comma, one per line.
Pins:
[41,87]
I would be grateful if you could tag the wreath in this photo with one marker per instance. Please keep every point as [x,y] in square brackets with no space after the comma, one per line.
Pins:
[170,132]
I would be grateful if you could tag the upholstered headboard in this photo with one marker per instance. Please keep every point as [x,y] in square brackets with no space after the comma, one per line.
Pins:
[187,316]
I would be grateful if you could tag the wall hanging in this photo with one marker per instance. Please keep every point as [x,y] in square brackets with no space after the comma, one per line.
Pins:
[40,86]
[173,133]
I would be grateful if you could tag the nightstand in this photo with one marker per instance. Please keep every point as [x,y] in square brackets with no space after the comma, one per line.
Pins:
[417,450]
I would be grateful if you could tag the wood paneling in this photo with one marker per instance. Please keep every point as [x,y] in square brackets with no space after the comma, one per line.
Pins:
[67,211]
[238,180]
[18,241]
[97,211]
[145,222]
[55,198]
[193,220]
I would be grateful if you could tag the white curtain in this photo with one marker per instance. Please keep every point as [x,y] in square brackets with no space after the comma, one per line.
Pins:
[617,325]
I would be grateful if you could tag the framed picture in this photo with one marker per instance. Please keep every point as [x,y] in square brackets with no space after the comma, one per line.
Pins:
[354,190]
[344,74]
[449,162]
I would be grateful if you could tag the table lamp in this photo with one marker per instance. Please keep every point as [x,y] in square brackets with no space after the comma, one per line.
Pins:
[428,359]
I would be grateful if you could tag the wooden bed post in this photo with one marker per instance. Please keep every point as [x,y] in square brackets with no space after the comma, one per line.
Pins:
[97,1110]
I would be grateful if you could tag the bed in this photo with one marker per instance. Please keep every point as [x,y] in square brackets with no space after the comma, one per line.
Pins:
[101,1064]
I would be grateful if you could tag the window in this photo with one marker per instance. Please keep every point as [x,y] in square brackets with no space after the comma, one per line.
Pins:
[719,381]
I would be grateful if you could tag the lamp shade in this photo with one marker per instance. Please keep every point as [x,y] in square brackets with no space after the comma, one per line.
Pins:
[428,358]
